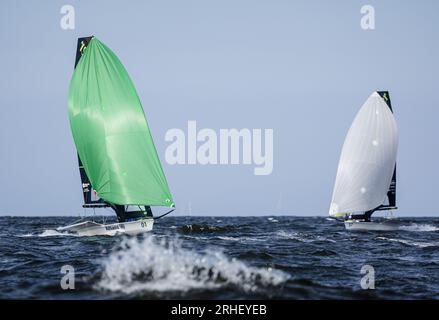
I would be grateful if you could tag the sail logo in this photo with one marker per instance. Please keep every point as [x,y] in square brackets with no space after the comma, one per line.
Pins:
[115,227]
[85,187]
[83,47]
[228,147]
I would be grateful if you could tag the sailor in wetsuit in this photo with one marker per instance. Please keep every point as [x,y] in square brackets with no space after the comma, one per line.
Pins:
[126,216]
[365,216]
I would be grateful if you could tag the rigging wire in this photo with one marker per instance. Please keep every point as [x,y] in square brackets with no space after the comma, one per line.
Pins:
[165,214]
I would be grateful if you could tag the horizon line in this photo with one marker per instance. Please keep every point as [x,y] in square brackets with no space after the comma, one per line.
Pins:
[204,216]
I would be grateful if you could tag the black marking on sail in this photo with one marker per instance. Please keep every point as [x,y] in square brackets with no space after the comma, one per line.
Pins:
[90,198]
[81,46]
[386,97]
[391,193]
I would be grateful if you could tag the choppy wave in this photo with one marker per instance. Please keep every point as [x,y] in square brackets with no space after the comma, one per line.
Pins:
[26,235]
[244,239]
[419,228]
[311,258]
[150,265]
[418,244]
[229,238]
[198,228]
[300,236]
[292,235]
[47,233]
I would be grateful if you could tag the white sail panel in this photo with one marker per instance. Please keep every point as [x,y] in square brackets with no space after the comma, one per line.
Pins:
[367,160]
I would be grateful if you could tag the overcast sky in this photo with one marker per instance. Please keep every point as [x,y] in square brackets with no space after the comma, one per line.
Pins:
[301,68]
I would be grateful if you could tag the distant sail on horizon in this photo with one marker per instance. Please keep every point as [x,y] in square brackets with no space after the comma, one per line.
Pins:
[366,172]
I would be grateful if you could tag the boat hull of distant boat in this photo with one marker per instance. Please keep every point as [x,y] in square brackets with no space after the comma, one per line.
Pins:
[388,225]
[366,174]
[91,228]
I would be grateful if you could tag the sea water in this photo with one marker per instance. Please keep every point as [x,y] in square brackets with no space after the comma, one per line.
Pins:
[221,258]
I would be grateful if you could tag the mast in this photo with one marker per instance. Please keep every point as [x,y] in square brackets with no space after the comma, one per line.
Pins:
[91,200]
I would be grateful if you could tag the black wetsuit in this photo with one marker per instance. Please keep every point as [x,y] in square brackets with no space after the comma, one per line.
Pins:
[366,216]
[124,216]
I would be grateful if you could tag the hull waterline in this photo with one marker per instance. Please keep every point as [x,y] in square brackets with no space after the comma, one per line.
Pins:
[91,228]
[390,225]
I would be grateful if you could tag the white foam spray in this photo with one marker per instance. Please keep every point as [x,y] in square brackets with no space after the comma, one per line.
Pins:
[152,265]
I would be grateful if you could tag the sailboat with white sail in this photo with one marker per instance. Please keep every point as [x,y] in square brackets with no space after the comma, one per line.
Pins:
[366,175]
[118,162]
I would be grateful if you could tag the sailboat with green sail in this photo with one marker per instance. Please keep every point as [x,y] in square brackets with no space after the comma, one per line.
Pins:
[118,162]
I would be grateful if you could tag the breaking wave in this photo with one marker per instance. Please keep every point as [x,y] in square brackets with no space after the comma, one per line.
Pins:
[229,238]
[419,228]
[47,233]
[300,236]
[292,236]
[411,243]
[26,235]
[152,265]
[198,228]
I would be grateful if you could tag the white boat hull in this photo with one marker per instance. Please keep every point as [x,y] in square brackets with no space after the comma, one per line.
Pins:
[91,228]
[390,225]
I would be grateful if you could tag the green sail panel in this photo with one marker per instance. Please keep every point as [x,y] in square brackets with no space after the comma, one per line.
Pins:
[111,133]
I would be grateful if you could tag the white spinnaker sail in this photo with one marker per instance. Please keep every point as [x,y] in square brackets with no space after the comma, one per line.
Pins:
[367,160]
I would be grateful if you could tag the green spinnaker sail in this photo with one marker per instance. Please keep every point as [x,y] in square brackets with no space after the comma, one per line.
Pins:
[111,133]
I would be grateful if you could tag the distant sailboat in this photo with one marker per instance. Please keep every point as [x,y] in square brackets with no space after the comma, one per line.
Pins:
[366,175]
[118,162]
